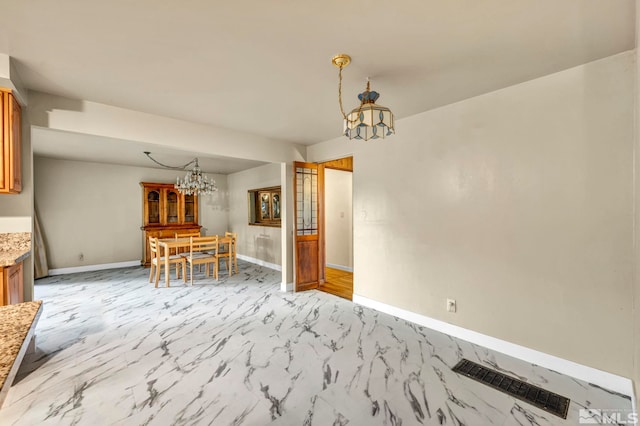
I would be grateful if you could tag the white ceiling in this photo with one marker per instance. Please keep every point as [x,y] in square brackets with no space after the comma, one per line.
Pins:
[264,66]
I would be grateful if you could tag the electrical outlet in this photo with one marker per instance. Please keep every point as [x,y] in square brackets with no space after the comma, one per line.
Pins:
[451,305]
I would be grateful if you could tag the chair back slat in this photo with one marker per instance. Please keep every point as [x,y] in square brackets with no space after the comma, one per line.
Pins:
[187,234]
[153,246]
[203,244]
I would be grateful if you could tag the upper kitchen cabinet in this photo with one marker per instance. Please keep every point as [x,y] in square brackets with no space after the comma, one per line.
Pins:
[10,143]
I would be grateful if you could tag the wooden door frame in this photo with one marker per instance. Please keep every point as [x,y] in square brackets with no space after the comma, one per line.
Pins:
[344,164]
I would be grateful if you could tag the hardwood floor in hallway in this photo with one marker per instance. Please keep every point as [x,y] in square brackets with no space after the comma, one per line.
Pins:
[338,282]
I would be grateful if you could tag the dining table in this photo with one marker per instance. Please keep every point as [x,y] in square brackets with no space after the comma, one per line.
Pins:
[168,244]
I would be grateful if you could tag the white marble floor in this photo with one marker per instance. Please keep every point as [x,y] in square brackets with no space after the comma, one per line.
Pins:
[112,349]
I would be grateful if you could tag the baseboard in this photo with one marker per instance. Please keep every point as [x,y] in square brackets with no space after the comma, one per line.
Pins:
[603,379]
[340,267]
[260,262]
[89,268]
[286,287]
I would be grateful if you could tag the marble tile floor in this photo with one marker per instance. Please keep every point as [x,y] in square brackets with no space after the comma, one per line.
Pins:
[113,350]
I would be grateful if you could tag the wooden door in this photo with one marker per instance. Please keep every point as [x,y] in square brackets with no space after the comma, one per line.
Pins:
[308,197]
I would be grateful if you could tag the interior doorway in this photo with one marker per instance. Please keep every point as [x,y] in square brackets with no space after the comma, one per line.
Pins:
[338,228]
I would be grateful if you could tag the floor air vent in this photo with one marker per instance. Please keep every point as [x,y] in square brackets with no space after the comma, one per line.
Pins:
[548,401]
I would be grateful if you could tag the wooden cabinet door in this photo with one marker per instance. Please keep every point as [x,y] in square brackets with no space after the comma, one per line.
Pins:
[14,281]
[11,287]
[4,143]
[190,203]
[15,145]
[174,209]
[10,144]
[153,206]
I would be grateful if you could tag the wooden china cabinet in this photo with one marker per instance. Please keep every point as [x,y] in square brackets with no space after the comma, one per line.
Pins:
[165,212]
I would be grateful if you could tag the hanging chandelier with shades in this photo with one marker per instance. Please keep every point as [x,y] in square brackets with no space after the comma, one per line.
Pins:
[194,183]
[369,120]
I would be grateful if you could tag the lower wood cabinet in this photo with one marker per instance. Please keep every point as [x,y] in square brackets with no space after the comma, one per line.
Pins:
[11,287]
[163,232]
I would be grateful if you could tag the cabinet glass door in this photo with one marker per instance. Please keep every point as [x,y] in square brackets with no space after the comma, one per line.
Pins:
[172,207]
[189,209]
[153,203]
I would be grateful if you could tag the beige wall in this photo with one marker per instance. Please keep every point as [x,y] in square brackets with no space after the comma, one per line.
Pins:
[517,203]
[338,218]
[258,242]
[96,209]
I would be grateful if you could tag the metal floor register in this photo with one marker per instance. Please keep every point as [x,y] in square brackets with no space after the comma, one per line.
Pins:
[541,398]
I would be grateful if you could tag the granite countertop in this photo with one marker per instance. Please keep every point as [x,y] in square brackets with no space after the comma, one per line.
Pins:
[17,322]
[14,247]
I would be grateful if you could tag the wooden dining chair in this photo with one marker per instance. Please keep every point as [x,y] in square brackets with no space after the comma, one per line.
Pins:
[202,251]
[185,235]
[233,248]
[223,252]
[158,262]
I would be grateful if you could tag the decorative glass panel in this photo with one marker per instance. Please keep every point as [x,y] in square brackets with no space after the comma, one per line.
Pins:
[307,201]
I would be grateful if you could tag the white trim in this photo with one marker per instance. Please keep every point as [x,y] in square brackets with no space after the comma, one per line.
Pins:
[340,267]
[260,262]
[89,268]
[286,287]
[603,379]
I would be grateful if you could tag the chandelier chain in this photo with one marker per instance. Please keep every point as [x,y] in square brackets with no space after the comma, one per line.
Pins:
[194,183]
[340,93]
[344,116]
[148,154]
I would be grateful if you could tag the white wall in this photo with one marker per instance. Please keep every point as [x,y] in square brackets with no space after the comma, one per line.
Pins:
[517,203]
[257,242]
[96,209]
[338,218]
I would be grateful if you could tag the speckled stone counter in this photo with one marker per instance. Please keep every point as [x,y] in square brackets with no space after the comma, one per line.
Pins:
[17,325]
[14,247]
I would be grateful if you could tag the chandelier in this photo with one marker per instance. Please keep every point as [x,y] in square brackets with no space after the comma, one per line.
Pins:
[194,182]
[369,120]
